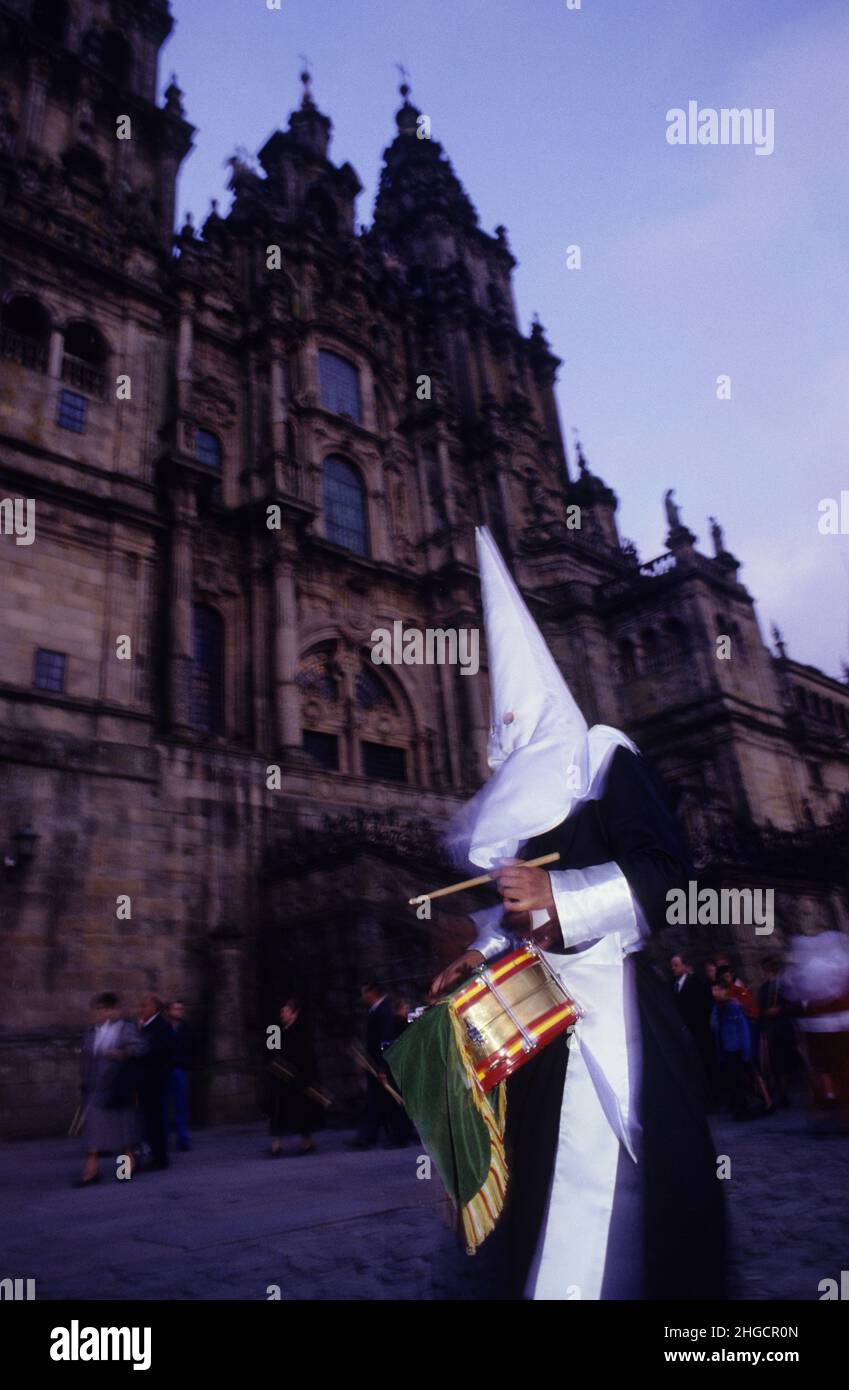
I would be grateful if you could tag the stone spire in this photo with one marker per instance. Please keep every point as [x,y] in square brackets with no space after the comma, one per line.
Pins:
[418,179]
[310,127]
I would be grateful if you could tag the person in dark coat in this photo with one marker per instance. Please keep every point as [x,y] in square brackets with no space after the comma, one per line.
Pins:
[778,1056]
[182,1060]
[294,1073]
[109,1118]
[382,1112]
[694,999]
[612,1190]
[154,1071]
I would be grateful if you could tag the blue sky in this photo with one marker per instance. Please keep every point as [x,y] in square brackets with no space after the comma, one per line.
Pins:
[696,261]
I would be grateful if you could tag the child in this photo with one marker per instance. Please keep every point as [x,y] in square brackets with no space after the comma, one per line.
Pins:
[734,1048]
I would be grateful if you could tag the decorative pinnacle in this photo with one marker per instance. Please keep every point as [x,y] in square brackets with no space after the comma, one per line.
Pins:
[404,87]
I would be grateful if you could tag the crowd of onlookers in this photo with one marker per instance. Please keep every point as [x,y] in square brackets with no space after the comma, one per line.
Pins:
[787,1037]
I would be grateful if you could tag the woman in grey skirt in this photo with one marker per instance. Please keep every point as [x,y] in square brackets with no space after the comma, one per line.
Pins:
[109,1113]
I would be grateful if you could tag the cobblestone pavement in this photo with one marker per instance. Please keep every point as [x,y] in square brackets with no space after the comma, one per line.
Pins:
[225,1222]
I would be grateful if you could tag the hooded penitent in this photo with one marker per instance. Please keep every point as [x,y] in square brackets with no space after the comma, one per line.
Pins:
[544,758]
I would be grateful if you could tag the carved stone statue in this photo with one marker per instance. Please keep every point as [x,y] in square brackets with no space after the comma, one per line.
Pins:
[673,511]
[718,538]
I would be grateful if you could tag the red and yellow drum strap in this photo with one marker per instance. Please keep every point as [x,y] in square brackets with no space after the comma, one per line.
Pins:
[479,1216]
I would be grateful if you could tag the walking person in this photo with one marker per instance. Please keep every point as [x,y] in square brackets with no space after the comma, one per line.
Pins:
[183,1057]
[778,1056]
[382,1112]
[155,1068]
[108,1087]
[294,1107]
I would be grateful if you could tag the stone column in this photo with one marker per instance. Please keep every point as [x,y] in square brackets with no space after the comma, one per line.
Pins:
[380,543]
[287,702]
[230,1089]
[181,591]
[279,411]
[36,99]
[185,347]
[477,694]
[262,735]
[349,665]
[444,457]
[56,351]
[450,732]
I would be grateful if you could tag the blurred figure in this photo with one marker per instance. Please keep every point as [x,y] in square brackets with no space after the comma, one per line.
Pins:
[742,995]
[709,968]
[694,999]
[733,1047]
[108,1087]
[401,1009]
[155,1068]
[778,1057]
[294,1072]
[817,979]
[182,1060]
[381,1112]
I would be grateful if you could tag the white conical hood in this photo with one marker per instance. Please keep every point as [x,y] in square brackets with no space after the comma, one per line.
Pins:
[544,757]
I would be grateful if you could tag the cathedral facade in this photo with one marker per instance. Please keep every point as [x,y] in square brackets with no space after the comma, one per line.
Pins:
[227,457]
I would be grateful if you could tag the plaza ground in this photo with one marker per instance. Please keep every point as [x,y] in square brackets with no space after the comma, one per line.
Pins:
[225,1222]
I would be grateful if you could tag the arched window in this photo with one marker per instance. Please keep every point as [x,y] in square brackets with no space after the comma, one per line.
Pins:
[84,362]
[208,448]
[344,506]
[339,382]
[50,19]
[25,332]
[316,677]
[207,694]
[372,693]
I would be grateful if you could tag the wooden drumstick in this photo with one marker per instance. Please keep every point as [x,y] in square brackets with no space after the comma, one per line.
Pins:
[484,878]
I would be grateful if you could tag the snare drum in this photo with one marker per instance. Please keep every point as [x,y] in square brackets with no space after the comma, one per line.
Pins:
[508,1011]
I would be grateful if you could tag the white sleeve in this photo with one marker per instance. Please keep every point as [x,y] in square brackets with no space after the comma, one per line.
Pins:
[595,902]
[492,937]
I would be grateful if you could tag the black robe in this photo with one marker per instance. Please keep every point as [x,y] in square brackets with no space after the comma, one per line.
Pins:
[683,1224]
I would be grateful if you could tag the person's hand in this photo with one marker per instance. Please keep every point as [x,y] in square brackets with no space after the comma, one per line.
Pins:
[523,889]
[455,972]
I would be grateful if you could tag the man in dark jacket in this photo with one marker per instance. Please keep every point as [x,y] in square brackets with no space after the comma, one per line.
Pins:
[181,1063]
[155,1069]
[695,1001]
[382,1112]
